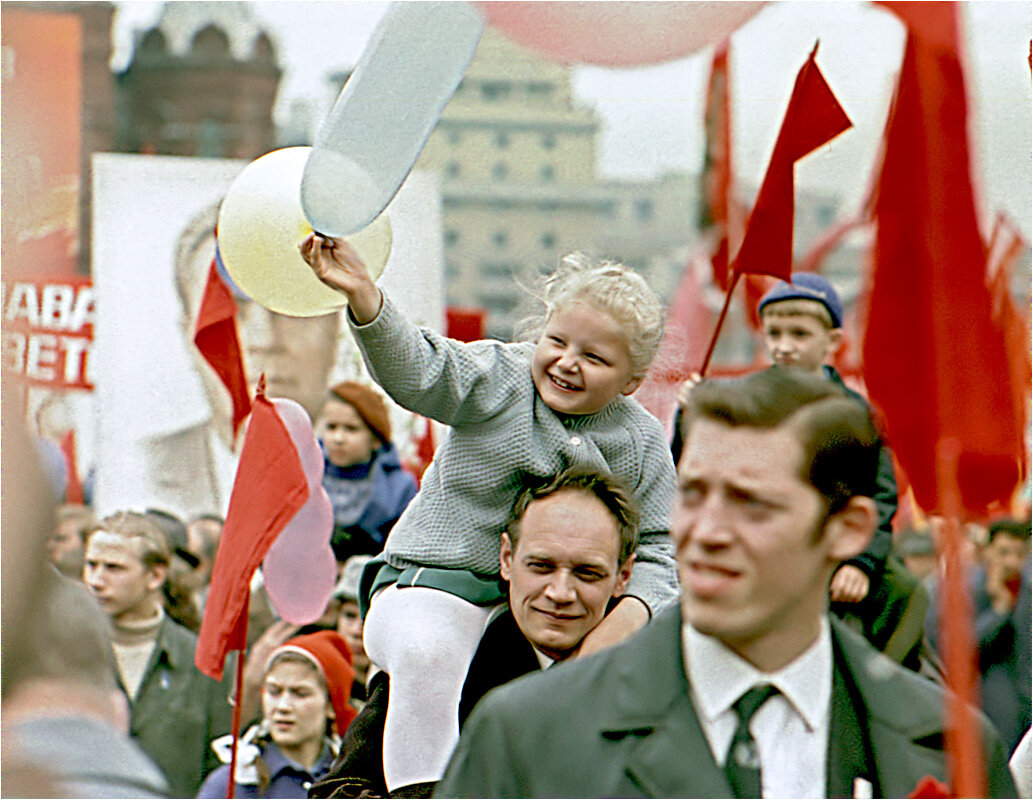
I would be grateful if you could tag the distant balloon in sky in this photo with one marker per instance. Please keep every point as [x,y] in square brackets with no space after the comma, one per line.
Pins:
[617,34]
[260,226]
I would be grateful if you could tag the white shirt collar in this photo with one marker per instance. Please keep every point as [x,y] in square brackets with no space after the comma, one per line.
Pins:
[718,677]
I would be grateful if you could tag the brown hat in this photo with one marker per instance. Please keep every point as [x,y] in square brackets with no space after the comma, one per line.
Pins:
[368,404]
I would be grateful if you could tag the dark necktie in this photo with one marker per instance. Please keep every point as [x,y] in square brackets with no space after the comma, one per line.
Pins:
[742,765]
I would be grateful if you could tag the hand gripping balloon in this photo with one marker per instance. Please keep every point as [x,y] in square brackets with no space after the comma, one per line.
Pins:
[260,225]
[300,569]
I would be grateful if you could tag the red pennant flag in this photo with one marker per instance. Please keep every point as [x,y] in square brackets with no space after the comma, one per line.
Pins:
[717,165]
[74,492]
[1006,245]
[934,361]
[813,118]
[215,335]
[268,490]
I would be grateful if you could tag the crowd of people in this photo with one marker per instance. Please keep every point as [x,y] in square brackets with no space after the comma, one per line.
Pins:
[566,603]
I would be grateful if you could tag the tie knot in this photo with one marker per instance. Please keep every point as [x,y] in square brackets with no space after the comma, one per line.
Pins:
[747,705]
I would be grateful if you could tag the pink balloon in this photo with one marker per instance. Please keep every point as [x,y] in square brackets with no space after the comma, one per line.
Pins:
[300,569]
[617,34]
[299,426]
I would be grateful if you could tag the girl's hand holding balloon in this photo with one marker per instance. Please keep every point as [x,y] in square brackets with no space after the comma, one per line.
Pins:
[336,264]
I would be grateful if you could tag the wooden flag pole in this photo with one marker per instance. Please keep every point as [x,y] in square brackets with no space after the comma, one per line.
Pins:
[963,740]
[238,695]
[720,321]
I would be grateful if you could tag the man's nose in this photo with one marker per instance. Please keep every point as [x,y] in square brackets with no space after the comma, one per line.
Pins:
[560,588]
[709,525]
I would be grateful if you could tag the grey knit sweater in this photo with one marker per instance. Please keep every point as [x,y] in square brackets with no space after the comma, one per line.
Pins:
[501,432]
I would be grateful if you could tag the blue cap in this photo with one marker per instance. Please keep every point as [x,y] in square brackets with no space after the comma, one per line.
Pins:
[807,286]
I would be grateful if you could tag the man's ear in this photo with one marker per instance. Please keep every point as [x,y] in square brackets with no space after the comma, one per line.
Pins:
[505,557]
[156,575]
[850,529]
[623,576]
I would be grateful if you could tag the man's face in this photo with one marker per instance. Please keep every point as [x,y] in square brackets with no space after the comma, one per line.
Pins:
[753,560]
[349,626]
[799,340]
[581,362]
[1007,554]
[563,570]
[116,575]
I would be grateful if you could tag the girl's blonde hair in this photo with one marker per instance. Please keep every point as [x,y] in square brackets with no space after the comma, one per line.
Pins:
[612,288]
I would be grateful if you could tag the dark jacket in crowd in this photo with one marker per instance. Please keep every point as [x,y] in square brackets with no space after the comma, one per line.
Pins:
[392,489]
[178,711]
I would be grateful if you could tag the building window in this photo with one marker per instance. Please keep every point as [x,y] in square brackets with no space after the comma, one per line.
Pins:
[547,173]
[452,169]
[495,90]
[539,90]
[500,171]
[211,42]
[500,239]
[502,139]
[826,213]
[549,141]
[454,137]
[451,237]
[644,210]
[548,240]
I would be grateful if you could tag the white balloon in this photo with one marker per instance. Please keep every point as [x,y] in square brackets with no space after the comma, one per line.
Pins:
[261,224]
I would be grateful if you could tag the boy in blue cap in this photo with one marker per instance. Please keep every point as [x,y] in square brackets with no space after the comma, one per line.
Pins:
[803,327]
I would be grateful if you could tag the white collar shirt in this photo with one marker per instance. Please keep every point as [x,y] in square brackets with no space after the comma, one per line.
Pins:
[791,729]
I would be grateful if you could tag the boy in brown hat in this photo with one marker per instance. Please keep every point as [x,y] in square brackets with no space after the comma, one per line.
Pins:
[363,474]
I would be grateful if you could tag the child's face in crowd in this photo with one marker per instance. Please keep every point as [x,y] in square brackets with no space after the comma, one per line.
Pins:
[799,340]
[346,437]
[349,625]
[295,704]
[582,361]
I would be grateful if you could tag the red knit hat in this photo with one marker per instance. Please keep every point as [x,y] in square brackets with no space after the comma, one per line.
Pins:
[330,653]
[369,405]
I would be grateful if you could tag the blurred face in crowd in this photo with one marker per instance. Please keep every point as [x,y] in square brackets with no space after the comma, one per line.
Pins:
[1008,554]
[797,334]
[65,549]
[115,574]
[754,548]
[296,705]
[349,625]
[563,570]
[582,361]
[346,436]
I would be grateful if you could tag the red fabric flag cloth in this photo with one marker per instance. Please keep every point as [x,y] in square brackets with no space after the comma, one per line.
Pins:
[1006,245]
[717,165]
[74,492]
[269,489]
[813,117]
[215,334]
[934,362]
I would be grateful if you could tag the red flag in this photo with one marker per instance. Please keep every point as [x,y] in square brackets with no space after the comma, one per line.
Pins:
[934,361]
[1006,245]
[813,118]
[717,165]
[215,335]
[268,490]
[74,490]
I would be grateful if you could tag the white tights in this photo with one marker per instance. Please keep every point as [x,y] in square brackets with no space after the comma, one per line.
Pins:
[424,639]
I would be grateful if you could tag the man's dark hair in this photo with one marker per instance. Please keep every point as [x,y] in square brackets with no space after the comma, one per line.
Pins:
[598,483]
[1015,528]
[839,440]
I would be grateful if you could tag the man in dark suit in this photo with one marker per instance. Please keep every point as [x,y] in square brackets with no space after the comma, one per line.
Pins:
[750,689]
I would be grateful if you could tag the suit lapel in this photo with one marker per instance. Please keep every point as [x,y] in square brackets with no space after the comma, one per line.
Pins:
[672,757]
[849,754]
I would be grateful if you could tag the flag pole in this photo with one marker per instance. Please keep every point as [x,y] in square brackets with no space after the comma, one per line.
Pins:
[720,321]
[238,702]
[963,740]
